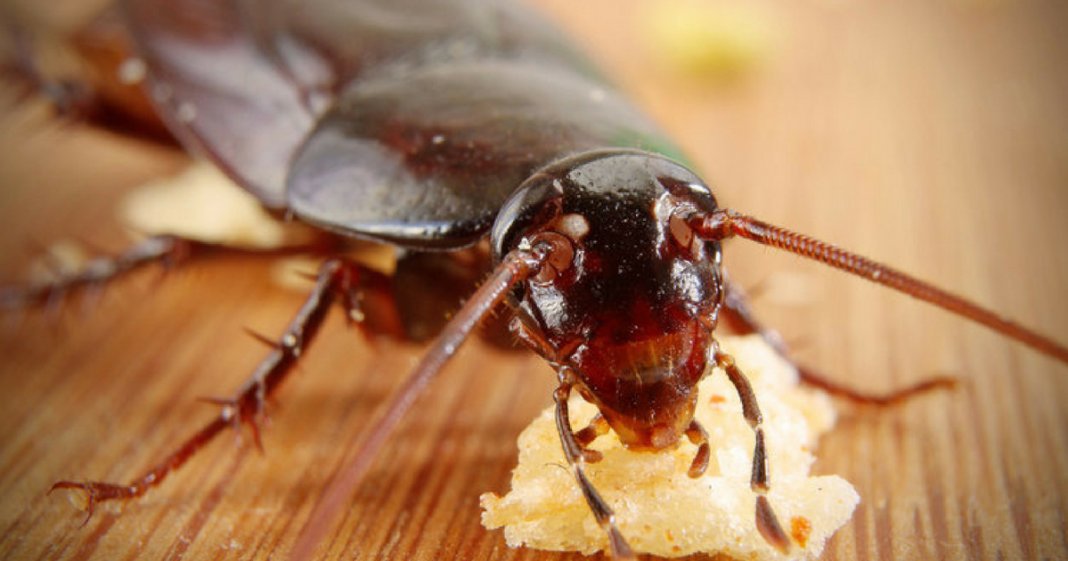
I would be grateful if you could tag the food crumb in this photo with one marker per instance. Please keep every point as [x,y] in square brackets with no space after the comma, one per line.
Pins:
[715,42]
[201,203]
[800,529]
[658,507]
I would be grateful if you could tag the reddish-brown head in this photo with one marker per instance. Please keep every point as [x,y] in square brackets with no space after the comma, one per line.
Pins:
[629,298]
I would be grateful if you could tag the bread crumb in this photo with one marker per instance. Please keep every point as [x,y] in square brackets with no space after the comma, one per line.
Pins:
[719,42]
[203,204]
[62,258]
[800,530]
[661,510]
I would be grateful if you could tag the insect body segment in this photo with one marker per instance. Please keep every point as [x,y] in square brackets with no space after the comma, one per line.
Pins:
[632,312]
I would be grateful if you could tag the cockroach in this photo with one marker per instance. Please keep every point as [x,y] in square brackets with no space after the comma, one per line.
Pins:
[435,126]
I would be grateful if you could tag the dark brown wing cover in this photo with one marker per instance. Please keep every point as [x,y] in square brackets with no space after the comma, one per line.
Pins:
[407,121]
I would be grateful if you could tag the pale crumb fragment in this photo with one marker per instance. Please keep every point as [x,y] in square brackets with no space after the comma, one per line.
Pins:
[60,259]
[202,204]
[658,507]
[297,273]
[713,41]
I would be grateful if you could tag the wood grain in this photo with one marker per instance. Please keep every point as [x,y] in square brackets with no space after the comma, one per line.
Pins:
[931,135]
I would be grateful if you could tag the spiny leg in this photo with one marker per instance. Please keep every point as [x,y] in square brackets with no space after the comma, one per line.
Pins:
[573,451]
[165,250]
[766,521]
[70,99]
[337,278]
[515,267]
[739,315]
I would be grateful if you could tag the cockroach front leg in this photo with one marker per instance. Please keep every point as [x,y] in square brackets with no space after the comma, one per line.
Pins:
[598,427]
[738,313]
[337,279]
[699,437]
[574,453]
[766,521]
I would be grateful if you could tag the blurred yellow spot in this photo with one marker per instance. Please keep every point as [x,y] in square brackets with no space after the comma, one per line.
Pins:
[708,41]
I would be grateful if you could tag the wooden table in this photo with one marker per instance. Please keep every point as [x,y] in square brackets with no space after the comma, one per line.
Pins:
[931,135]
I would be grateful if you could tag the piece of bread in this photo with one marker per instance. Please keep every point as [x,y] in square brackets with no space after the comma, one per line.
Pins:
[200,203]
[661,510]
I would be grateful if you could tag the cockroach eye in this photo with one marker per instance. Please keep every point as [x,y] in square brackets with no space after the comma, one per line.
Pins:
[574,226]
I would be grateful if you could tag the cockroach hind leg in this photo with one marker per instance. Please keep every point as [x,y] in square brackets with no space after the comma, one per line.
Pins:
[167,251]
[739,314]
[96,491]
[92,273]
[892,398]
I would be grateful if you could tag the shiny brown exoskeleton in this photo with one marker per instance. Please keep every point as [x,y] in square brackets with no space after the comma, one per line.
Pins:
[629,301]
[430,126]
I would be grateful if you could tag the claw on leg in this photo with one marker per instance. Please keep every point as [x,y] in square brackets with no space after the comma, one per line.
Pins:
[697,435]
[760,481]
[244,409]
[247,405]
[598,427]
[96,491]
[768,525]
[574,452]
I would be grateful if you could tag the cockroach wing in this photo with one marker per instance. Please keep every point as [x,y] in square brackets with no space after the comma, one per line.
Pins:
[403,120]
[242,81]
[219,92]
[425,155]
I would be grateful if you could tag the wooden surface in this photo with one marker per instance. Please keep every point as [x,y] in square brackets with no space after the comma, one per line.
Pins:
[928,134]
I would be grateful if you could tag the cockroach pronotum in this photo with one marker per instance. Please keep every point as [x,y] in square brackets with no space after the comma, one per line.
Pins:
[441,126]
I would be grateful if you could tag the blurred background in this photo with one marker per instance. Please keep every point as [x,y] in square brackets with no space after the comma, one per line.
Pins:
[929,134]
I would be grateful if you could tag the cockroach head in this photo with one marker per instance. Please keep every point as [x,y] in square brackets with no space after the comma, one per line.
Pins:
[629,295]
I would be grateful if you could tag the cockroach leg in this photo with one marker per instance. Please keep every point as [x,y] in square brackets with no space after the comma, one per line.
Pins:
[371,306]
[169,251]
[760,481]
[573,451]
[738,314]
[95,273]
[336,278]
[598,427]
[698,436]
[818,380]
[514,268]
[69,98]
